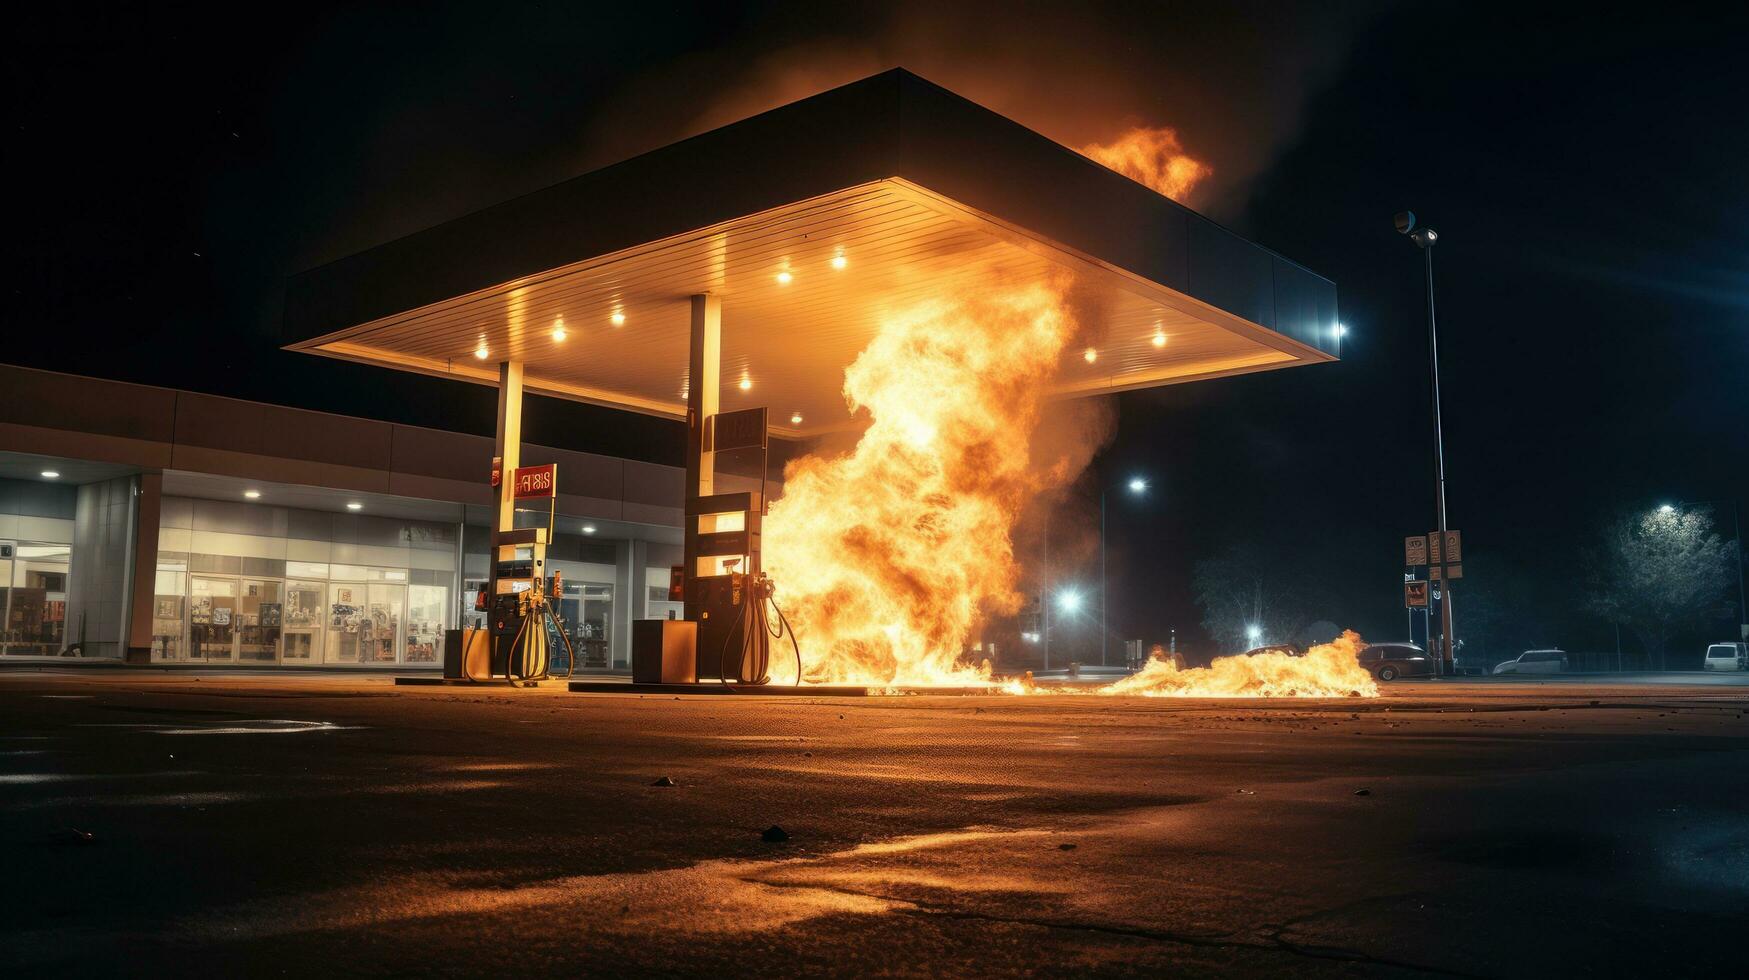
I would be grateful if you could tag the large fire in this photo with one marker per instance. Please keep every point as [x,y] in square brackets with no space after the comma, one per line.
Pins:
[888,555]
[1154,157]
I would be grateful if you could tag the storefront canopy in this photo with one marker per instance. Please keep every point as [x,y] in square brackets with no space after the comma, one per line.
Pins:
[812,222]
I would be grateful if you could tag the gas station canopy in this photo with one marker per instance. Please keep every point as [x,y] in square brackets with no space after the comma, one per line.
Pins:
[810,223]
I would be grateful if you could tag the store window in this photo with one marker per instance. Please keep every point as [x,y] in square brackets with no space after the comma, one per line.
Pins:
[34,583]
[169,607]
[227,593]
[656,584]
[586,609]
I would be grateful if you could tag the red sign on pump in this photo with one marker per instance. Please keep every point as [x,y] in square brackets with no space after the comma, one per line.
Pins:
[536,481]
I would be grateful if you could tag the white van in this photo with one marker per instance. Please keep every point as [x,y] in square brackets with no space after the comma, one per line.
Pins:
[1727,656]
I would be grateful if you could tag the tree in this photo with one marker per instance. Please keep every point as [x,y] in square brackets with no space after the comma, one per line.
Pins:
[1242,589]
[1661,573]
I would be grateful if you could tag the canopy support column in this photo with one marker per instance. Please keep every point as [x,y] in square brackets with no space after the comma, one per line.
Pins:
[508,447]
[704,378]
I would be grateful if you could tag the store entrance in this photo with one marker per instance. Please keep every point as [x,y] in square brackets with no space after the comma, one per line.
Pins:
[260,614]
[587,611]
[235,620]
[212,627]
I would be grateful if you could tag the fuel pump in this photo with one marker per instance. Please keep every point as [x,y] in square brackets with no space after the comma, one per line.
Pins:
[516,619]
[513,646]
[726,591]
[725,584]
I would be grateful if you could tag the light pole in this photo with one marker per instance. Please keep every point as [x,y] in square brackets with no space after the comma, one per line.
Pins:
[1736,532]
[1044,593]
[1424,238]
[1136,486]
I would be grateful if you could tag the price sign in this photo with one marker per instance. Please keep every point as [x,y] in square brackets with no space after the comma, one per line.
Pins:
[536,481]
[1415,595]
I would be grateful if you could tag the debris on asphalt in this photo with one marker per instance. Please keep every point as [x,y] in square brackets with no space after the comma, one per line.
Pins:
[807,755]
[1363,792]
[663,781]
[1065,847]
[74,835]
[1246,792]
[774,835]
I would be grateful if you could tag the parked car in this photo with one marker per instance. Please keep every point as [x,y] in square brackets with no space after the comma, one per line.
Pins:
[1287,648]
[1726,656]
[1535,662]
[1389,661]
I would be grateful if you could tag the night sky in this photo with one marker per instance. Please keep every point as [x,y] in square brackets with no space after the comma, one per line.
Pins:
[169,166]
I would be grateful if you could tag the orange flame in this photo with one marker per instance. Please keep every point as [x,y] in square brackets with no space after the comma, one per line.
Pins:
[1152,156]
[887,556]
[1328,670]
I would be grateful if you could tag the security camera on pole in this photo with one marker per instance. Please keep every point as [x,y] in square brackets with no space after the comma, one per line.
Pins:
[1425,238]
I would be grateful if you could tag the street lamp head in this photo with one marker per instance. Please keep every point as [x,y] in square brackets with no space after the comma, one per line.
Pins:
[1253,632]
[1069,601]
[1342,330]
[1138,485]
[1424,237]
[1667,508]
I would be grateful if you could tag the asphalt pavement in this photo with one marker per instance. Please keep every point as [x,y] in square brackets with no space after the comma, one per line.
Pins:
[177,823]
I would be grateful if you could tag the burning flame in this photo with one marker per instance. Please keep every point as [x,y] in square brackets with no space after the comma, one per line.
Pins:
[888,555]
[1154,157]
[1328,670]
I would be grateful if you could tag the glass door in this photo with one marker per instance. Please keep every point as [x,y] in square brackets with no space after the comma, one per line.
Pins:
[6,596]
[212,626]
[260,613]
[595,625]
[380,639]
[301,623]
[346,616]
[169,612]
[425,605]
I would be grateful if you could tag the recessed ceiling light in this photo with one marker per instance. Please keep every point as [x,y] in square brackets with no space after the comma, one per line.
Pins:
[559,329]
[795,419]
[746,383]
[1090,355]
[618,318]
[588,529]
[480,351]
[839,261]
[51,474]
[354,505]
[252,494]
[783,278]
[1159,338]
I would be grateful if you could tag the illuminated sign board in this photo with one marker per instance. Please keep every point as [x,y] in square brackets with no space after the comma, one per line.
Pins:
[536,481]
